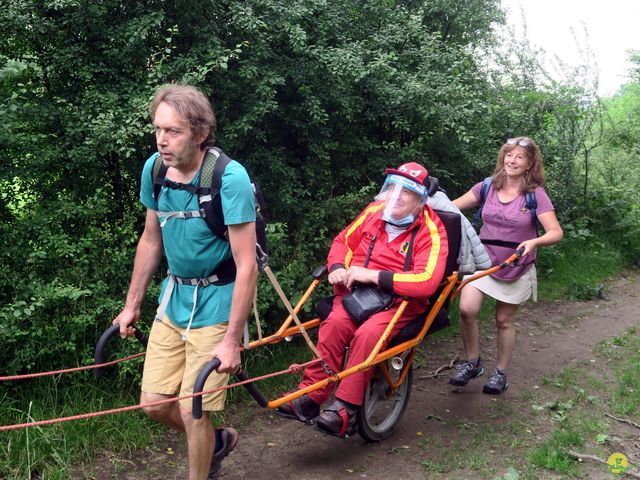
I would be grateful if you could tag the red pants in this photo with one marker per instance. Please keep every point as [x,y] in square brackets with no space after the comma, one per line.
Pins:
[334,334]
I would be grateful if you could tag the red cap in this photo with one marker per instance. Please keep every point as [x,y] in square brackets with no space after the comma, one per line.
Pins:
[412,170]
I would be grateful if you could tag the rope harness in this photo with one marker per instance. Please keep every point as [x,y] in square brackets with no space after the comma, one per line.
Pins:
[70,370]
[293,369]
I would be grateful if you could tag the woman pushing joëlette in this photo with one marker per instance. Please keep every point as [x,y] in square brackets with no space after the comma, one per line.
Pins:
[513,204]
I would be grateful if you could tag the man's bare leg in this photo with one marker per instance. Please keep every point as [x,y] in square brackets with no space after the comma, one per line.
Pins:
[199,433]
[167,413]
[200,442]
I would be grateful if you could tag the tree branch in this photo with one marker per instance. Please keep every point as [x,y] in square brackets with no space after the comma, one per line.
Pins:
[441,369]
[623,420]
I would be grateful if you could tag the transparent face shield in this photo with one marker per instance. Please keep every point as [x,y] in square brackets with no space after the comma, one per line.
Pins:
[402,197]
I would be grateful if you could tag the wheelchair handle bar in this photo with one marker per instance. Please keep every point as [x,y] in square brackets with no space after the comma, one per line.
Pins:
[198,387]
[110,332]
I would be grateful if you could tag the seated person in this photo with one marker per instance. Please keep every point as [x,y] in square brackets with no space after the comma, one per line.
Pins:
[373,249]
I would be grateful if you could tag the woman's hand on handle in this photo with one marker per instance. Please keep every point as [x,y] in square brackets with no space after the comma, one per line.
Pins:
[527,247]
[552,233]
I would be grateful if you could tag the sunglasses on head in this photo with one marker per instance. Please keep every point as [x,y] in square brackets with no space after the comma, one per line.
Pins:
[513,141]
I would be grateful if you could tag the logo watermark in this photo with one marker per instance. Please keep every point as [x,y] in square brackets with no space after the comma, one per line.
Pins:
[618,463]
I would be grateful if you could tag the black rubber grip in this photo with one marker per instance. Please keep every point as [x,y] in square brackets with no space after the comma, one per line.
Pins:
[196,408]
[110,332]
[198,387]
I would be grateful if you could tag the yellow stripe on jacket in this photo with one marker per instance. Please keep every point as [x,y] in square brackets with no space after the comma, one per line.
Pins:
[354,226]
[433,257]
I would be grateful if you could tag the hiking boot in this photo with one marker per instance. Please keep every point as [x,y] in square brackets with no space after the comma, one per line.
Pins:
[339,420]
[303,409]
[226,440]
[465,372]
[497,383]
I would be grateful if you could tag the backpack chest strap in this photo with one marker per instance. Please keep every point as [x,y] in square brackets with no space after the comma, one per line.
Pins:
[203,198]
[164,217]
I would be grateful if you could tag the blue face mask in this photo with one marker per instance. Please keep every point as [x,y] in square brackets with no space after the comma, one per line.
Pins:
[401,223]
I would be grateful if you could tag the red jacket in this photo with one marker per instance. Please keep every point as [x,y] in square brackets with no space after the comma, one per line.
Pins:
[430,249]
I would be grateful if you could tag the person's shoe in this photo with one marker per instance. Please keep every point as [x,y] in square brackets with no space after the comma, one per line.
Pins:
[302,408]
[465,372]
[497,383]
[339,420]
[226,440]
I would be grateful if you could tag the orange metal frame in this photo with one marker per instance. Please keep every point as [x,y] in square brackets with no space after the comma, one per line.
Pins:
[452,287]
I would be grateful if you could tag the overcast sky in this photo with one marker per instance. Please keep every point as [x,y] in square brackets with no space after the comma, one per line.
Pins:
[613,27]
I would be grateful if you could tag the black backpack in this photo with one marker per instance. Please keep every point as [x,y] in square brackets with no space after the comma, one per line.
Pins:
[208,191]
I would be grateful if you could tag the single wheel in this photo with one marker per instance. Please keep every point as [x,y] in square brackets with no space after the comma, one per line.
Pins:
[382,409]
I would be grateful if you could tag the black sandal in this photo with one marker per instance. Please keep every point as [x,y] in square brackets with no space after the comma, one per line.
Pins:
[226,441]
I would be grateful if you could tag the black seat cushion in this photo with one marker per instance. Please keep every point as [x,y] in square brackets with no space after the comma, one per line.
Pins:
[324,306]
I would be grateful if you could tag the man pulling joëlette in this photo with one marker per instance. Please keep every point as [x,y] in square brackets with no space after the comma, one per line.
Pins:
[202,310]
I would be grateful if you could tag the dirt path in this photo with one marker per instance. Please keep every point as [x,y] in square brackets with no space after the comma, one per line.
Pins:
[551,337]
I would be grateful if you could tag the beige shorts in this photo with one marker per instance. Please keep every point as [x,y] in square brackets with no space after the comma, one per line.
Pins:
[515,292]
[172,365]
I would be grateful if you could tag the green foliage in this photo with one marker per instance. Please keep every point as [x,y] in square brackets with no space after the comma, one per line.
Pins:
[581,402]
[585,291]
[578,266]
[64,285]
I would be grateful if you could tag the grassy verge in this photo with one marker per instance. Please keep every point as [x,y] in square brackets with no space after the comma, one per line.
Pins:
[577,269]
[48,451]
[592,409]
[582,402]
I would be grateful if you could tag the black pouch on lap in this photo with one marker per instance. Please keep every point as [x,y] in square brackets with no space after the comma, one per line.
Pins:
[366,300]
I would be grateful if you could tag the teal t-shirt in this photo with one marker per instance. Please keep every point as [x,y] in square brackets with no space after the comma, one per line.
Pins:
[192,250]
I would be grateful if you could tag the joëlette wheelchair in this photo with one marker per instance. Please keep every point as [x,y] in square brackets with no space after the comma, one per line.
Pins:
[388,392]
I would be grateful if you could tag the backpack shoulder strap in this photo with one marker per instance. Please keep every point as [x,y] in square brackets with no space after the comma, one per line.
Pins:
[484,191]
[158,174]
[209,185]
[212,169]
[531,204]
